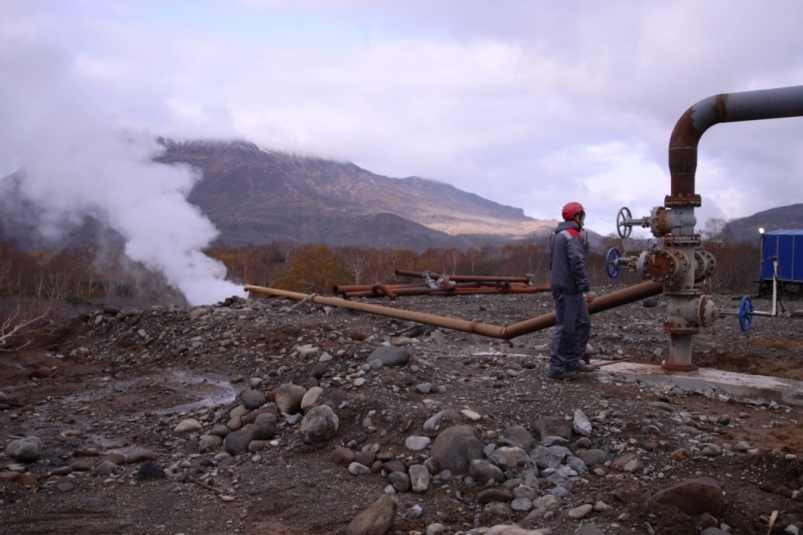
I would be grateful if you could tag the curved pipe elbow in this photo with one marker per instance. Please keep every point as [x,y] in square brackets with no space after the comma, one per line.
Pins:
[723,108]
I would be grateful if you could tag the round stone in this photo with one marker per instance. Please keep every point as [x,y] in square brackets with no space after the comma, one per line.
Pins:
[417,443]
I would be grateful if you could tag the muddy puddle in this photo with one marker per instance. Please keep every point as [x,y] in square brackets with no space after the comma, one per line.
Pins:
[206,391]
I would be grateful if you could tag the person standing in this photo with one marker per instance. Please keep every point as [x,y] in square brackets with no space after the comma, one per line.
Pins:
[571,288]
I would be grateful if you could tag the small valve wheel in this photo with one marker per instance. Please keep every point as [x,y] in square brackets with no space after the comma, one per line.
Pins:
[746,313]
[611,267]
[622,217]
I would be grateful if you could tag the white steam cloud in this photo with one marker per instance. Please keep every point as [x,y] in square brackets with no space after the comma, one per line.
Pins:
[78,160]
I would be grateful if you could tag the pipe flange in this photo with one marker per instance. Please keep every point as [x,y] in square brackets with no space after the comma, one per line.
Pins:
[659,266]
[671,240]
[706,311]
[663,265]
[706,265]
[658,222]
[680,326]
[684,264]
[682,200]
[678,292]
[672,367]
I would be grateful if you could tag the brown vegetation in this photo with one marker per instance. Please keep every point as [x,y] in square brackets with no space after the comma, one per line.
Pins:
[96,276]
[22,323]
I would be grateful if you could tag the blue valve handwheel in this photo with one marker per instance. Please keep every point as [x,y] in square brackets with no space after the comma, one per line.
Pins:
[610,262]
[746,313]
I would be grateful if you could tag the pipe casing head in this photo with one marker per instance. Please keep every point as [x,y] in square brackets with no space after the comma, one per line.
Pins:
[663,265]
[692,313]
[706,265]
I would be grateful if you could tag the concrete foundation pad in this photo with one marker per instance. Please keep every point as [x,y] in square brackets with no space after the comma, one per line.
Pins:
[738,385]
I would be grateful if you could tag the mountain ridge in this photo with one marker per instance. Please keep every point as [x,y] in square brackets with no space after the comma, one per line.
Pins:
[285,197]
[782,217]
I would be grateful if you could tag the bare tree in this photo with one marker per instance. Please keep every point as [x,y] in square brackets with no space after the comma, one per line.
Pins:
[714,230]
[22,326]
[6,255]
[356,261]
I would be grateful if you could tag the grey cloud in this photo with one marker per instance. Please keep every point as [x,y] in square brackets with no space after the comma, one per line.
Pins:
[503,100]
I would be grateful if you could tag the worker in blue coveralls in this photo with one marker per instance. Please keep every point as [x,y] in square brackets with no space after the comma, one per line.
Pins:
[571,289]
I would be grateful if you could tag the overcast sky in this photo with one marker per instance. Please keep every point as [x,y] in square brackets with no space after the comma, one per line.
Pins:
[528,103]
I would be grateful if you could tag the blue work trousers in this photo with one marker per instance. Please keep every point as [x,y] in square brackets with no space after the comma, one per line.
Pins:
[572,328]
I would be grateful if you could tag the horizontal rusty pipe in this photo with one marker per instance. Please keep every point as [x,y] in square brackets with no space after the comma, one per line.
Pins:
[502,290]
[606,302]
[600,304]
[417,290]
[343,288]
[416,274]
[478,278]
[461,278]
[379,287]
[722,108]
[421,288]
[458,290]
[370,294]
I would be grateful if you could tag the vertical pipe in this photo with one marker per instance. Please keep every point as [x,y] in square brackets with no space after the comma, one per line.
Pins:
[774,286]
[722,108]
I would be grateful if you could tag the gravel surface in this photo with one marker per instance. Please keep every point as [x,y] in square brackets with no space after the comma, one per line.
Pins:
[128,409]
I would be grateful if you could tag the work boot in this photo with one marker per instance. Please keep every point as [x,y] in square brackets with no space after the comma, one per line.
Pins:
[566,375]
[580,367]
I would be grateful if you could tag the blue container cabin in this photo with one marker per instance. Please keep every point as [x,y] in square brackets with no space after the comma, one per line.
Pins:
[787,247]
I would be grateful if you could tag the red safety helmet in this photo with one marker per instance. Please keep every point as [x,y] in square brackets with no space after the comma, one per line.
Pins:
[571,210]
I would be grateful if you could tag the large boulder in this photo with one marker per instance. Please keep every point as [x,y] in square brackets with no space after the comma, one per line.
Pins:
[265,426]
[377,519]
[495,494]
[400,481]
[546,458]
[138,455]
[484,471]
[693,497]
[209,443]
[455,447]
[189,425]
[25,449]
[238,441]
[312,397]
[419,477]
[553,426]
[252,416]
[253,399]
[517,436]
[319,424]
[342,456]
[508,458]
[592,457]
[149,470]
[288,397]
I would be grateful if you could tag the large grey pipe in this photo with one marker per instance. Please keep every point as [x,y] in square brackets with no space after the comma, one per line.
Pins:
[722,108]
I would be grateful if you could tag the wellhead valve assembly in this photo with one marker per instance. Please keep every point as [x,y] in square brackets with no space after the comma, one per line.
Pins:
[680,265]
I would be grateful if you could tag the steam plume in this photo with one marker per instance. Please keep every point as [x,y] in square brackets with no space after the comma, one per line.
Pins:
[78,158]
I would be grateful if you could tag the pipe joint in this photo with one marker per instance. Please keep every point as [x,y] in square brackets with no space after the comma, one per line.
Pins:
[706,266]
[663,265]
[693,313]
[678,221]
[677,240]
[683,199]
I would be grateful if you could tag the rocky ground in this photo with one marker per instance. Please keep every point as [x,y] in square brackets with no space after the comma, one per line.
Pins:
[174,420]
